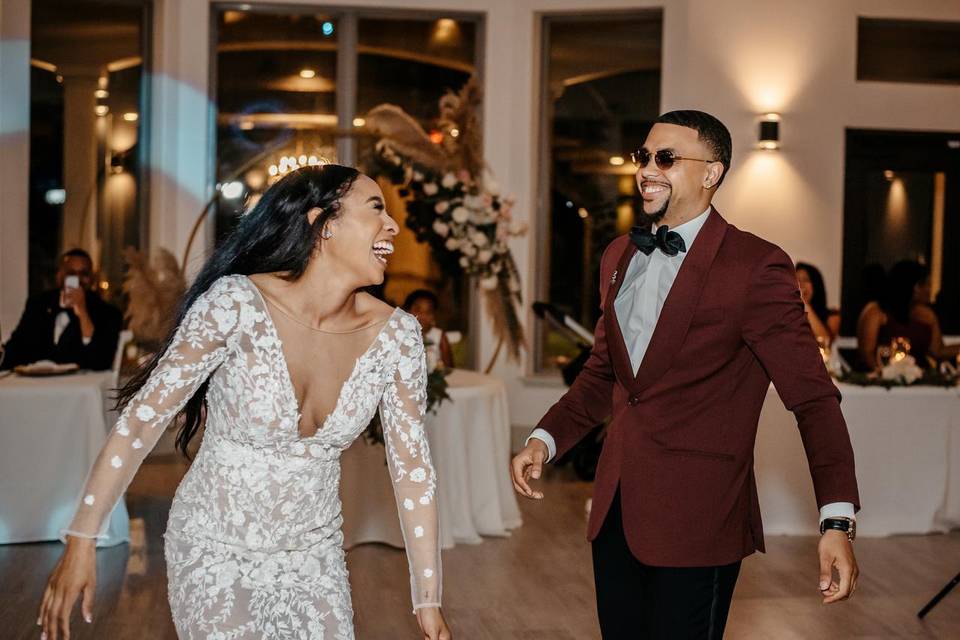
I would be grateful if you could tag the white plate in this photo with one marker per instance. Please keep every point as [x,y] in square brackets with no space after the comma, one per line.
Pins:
[46,368]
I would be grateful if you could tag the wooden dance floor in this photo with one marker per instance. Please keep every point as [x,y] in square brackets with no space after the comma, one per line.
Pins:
[535,585]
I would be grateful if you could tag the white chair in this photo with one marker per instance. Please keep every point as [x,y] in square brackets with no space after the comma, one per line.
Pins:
[126,337]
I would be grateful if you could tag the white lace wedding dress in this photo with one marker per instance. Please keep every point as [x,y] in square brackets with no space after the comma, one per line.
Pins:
[254,542]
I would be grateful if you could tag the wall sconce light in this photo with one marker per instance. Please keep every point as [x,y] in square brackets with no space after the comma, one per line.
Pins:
[769,132]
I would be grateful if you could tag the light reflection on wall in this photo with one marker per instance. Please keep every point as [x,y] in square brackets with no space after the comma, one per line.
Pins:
[897,210]
[772,178]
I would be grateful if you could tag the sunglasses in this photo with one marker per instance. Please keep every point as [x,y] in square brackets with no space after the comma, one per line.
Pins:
[664,158]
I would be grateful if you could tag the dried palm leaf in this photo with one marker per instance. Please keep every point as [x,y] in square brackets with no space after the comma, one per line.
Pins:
[153,290]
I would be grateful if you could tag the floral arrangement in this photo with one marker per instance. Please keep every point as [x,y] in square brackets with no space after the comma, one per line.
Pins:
[453,204]
[902,372]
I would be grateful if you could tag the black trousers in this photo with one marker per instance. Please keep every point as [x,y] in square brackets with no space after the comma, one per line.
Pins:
[636,601]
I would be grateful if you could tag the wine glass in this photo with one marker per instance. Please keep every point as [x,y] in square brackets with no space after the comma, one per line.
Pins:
[884,353]
[824,346]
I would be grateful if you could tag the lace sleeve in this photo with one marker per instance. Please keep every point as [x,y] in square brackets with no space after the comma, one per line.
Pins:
[197,349]
[411,471]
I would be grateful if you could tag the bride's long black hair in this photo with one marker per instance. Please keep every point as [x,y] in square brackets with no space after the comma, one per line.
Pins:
[275,236]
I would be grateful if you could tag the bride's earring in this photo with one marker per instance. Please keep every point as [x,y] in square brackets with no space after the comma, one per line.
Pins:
[326,234]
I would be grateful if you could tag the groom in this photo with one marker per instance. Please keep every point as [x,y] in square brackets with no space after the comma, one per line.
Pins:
[698,318]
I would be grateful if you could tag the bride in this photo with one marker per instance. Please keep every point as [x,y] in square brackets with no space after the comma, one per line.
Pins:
[284,360]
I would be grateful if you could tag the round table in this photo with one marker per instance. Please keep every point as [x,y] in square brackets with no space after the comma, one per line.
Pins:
[906,445]
[469,439]
[52,430]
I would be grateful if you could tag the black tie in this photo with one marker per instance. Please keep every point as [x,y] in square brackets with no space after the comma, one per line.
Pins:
[670,242]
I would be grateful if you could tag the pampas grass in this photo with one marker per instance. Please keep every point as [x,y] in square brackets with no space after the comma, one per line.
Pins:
[153,288]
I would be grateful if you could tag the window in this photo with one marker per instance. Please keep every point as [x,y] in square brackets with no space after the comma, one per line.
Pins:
[908,51]
[600,95]
[901,203]
[292,87]
[87,169]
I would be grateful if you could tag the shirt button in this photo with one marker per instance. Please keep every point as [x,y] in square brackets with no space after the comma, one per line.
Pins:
[634,400]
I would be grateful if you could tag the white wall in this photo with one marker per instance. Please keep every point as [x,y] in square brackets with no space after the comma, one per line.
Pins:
[735,59]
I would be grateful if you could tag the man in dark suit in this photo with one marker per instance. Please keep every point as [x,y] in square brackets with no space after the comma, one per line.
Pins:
[698,318]
[67,324]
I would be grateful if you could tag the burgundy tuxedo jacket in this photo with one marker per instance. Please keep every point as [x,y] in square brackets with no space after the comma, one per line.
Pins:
[681,439]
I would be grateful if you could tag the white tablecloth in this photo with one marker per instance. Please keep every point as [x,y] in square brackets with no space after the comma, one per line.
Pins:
[906,443]
[52,430]
[470,443]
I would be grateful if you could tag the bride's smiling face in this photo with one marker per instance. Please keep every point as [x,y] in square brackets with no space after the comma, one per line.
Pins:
[360,239]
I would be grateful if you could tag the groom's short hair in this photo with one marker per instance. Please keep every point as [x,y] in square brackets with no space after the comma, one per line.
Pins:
[709,130]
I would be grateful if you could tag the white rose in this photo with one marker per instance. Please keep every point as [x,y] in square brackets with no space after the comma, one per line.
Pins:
[485,256]
[452,244]
[418,176]
[489,284]
[449,181]
[464,262]
[480,239]
[460,215]
[430,189]
[442,207]
[441,228]
[469,250]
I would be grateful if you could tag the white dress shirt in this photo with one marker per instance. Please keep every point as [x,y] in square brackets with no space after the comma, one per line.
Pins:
[645,288]
[60,324]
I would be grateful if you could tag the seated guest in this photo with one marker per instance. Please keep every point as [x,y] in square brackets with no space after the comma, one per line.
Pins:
[824,322]
[423,304]
[67,324]
[904,311]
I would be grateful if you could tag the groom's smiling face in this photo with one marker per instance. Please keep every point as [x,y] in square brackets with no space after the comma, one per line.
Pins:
[680,186]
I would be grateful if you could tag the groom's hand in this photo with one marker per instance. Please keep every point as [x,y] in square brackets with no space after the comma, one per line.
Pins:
[529,464]
[835,550]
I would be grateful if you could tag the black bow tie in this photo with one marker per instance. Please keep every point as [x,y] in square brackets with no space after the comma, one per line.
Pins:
[670,242]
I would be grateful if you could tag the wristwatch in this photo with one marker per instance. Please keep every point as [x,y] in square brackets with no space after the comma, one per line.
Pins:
[846,525]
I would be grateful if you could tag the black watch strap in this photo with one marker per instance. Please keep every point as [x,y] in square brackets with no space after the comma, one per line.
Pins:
[838,524]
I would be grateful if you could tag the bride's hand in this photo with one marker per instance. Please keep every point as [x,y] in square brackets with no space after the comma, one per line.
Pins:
[75,573]
[432,624]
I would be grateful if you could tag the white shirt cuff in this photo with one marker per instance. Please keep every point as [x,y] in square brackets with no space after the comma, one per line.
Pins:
[547,439]
[86,341]
[837,510]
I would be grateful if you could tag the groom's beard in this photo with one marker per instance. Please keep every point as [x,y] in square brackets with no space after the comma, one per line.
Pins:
[647,219]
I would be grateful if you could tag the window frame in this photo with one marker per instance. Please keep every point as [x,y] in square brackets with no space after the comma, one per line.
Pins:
[544,204]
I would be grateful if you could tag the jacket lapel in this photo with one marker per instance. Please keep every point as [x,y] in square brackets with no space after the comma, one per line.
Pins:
[619,355]
[680,304]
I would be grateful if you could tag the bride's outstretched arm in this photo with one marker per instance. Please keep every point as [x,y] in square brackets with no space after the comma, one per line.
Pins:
[411,470]
[197,349]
